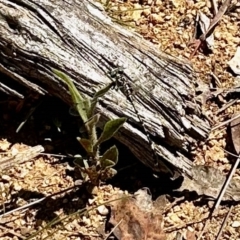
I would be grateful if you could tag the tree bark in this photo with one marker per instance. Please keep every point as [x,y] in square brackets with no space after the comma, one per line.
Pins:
[79,39]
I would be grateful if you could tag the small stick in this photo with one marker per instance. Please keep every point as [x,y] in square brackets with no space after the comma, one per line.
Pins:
[219,84]
[113,230]
[224,223]
[223,190]
[20,157]
[35,202]
[227,105]
[217,18]
[205,226]
[32,110]
[221,194]
[226,122]
[215,7]
[212,25]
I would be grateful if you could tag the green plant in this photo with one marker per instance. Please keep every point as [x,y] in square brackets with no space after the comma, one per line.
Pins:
[95,167]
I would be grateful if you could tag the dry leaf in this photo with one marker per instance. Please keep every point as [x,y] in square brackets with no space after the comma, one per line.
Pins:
[204,23]
[208,181]
[138,218]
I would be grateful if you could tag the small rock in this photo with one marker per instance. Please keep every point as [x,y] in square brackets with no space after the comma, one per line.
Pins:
[175,218]
[78,182]
[17,187]
[91,201]
[25,230]
[189,228]
[177,209]
[86,221]
[23,173]
[102,210]
[236,224]
[14,151]
[6,177]
[4,146]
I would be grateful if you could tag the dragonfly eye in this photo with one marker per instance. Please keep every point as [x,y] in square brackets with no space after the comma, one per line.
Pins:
[120,70]
[116,72]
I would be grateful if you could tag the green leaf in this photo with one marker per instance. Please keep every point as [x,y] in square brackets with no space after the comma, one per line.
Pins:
[110,128]
[80,162]
[103,91]
[87,104]
[97,95]
[106,163]
[92,122]
[81,103]
[109,158]
[86,144]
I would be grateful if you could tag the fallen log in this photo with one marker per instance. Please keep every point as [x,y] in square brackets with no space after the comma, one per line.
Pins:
[79,39]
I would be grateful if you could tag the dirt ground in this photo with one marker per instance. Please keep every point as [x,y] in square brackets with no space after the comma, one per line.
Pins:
[62,208]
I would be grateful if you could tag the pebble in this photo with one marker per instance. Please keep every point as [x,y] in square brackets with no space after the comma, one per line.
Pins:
[102,210]
[91,201]
[17,187]
[175,218]
[6,178]
[236,224]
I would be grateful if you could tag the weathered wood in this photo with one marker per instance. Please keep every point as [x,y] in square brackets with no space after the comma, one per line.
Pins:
[7,162]
[78,38]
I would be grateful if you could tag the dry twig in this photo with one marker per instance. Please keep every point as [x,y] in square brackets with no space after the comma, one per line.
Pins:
[20,157]
[197,43]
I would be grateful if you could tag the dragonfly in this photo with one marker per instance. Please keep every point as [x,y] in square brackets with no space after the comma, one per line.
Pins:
[119,80]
